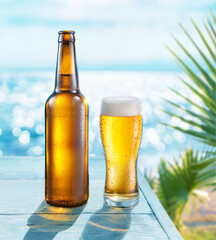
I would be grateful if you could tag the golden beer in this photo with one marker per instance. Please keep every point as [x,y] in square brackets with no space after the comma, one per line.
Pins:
[66,110]
[121,136]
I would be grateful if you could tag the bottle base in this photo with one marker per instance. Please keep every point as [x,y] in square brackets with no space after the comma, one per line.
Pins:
[121,200]
[66,204]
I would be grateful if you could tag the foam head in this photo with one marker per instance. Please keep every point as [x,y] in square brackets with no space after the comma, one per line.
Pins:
[121,106]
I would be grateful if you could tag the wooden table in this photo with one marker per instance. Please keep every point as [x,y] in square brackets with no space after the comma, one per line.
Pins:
[25,215]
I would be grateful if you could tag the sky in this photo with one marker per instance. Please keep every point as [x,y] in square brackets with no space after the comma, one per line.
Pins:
[110,34]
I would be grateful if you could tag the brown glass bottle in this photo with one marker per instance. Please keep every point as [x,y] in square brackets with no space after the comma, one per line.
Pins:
[66,110]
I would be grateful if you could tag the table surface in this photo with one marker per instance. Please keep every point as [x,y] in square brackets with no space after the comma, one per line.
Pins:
[24,214]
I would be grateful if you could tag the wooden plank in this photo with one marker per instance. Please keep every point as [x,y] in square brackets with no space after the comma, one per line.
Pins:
[23,180]
[158,209]
[97,226]
[25,215]
[23,196]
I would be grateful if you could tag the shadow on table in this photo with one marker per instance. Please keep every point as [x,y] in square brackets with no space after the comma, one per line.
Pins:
[47,221]
[107,223]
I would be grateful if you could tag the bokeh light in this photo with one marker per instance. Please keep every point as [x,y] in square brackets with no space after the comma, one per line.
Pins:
[22,125]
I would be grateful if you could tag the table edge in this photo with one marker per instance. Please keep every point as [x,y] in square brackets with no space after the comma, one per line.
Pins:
[157,208]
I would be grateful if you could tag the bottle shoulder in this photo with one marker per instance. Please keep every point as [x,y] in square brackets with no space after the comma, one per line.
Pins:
[66,98]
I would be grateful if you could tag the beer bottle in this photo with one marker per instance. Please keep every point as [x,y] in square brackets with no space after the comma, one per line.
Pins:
[66,111]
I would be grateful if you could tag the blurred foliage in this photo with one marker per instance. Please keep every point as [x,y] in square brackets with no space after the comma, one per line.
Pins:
[183,181]
[152,179]
[199,233]
[203,116]
[179,183]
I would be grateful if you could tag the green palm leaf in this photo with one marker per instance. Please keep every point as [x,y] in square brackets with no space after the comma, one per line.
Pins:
[204,87]
[179,184]
[208,63]
[213,17]
[152,180]
[210,30]
[208,166]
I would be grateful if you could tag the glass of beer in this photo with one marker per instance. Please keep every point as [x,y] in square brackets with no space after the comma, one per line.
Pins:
[121,130]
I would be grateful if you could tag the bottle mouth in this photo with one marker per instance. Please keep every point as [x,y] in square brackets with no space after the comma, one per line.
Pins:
[66,36]
[66,32]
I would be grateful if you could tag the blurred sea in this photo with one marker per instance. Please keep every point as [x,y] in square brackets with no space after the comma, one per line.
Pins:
[23,94]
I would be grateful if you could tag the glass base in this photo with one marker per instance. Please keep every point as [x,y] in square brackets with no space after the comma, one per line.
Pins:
[121,200]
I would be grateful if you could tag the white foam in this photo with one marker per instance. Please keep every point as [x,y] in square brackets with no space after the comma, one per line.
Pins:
[121,106]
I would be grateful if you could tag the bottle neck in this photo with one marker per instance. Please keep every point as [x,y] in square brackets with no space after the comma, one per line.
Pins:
[66,68]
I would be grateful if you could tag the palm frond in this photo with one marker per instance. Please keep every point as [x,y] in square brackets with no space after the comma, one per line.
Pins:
[206,99]
[191,113]
[151,178]
[208,168]
[204,87]
[211,52]
[210,30]
[199,135]
[178,184]
[213,17]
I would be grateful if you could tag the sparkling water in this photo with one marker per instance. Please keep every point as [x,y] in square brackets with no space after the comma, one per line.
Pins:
[23,95]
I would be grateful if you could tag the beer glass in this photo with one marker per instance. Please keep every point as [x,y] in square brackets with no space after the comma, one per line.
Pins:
[121,130]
